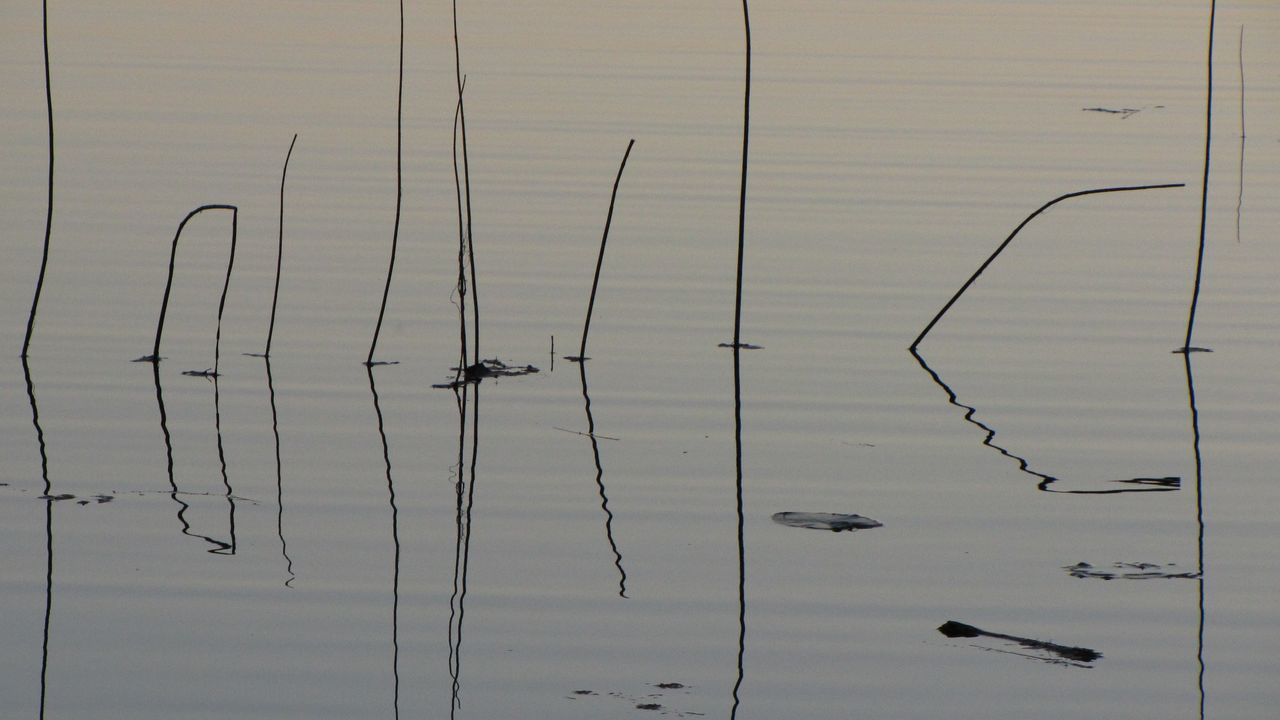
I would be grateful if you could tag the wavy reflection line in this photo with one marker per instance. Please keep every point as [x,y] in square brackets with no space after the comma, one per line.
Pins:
[48,536]
[1045,481]
[465,487]
[275,432]
[1200,528]
[395,541]
[742,546]
[226,480]
[219,547]
[604,499]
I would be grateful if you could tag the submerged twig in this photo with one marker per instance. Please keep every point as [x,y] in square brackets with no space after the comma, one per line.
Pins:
[915,343]
[154,357]
[395,229]
[48,219]
[595,281]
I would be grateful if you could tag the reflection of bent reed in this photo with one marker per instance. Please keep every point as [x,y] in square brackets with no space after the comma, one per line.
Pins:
[48,535]
[219,547]
[1140,484]
[155,357]
[604,499]
[395,541]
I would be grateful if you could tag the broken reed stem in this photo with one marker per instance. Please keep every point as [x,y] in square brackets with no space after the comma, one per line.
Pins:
[168,285]
[742,196]
[395,229]
[1009,239]
[48,219]
[466,180]
[275,296]
[595,281]
[1204,186]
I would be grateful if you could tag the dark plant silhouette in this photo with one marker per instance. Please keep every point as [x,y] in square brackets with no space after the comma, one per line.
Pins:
[155,357]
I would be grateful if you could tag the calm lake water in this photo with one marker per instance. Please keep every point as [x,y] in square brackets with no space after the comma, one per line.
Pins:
[1093,514]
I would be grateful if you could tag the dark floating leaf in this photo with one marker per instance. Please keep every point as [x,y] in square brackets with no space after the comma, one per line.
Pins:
[834,522]
[148,358]
[1190,349]
[1128,571]
[670,685]
[1059,654]
[55,498]
[648,706]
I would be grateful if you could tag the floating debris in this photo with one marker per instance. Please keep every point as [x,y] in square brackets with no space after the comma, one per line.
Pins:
[648,706]
[491,367]
[834,522]
[1128,571]
[206,373]
[670,685]
[1057,654]
[1124,113]
[742,346]
[99,499]
[56,498]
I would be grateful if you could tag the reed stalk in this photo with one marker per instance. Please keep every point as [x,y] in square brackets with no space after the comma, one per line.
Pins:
[395,230]
[742,194]
[466,180]
[916,343]
[155,357]
[275,295]
[48,219]
[1204,185]
[595,281]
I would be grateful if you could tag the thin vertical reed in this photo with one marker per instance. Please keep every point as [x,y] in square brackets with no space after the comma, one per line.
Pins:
[395,230]
[1204,186]
[915,343]
[466,179]
[1240,194]
[462,248]
[742,195]
[595,281]
[275,295]
[48,219]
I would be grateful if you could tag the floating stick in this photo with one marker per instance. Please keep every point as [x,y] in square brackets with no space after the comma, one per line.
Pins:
[48,219]
[395,229]
[1204,186]
[1009,239]
[595,281]
[154,357]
